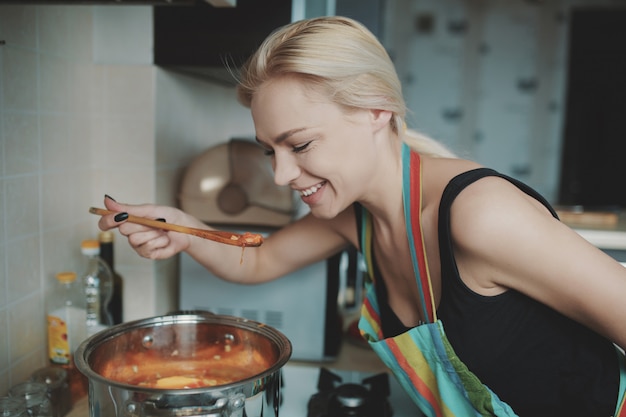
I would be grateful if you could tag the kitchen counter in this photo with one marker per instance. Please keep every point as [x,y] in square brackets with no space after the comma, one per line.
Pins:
[605,230]
[351,357]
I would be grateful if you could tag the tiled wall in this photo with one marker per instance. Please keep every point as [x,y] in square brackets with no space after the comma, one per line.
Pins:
[488,78]
[69,132]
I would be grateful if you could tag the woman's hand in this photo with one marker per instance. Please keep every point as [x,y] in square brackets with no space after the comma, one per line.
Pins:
[146,241]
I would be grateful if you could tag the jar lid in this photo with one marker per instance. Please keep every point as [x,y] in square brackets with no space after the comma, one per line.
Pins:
[66,277]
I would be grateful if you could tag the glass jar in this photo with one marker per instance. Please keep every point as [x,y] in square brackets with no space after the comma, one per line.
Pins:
[12,407]
[35,394]
[59,392]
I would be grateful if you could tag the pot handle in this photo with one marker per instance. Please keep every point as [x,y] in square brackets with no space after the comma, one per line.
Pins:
[190,312]
[222,407]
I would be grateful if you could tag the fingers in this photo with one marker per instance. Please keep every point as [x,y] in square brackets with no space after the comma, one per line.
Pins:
[111,221]
[148,242]
[121,213]
[151,244]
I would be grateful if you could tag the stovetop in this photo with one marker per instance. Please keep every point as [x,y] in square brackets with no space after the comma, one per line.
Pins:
[300,383]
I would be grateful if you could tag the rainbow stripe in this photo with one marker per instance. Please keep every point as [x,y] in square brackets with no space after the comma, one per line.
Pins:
[422,359]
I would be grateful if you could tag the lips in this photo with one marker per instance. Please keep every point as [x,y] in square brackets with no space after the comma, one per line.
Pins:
[312,190]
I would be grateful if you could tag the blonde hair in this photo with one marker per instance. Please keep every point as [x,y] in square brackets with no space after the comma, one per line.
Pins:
[342,58]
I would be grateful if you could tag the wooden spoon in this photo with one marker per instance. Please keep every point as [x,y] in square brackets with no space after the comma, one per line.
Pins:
[228,238]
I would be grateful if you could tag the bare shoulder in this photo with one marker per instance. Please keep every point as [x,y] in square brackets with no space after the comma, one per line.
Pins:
[494,226]
[506,239]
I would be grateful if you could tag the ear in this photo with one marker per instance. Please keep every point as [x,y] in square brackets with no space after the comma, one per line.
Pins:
[380,118]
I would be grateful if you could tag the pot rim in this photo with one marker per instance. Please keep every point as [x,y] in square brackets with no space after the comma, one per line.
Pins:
[87,347]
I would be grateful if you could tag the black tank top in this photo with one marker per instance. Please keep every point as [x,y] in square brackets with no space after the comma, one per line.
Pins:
[538,361]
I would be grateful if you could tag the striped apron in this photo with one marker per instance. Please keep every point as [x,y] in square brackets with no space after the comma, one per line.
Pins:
[422,359]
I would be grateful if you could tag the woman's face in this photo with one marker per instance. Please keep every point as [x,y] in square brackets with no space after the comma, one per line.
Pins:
[317,148]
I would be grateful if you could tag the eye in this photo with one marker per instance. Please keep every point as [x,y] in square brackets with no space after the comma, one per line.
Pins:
[302,148]
[268,152]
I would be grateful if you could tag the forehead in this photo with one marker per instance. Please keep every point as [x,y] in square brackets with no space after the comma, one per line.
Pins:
[288,103]
[287,88]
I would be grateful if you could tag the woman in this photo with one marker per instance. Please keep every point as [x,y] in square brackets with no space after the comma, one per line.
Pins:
[530,307]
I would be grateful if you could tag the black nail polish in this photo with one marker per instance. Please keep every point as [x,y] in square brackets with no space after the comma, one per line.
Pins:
[109,197]
[161,219]
[120,217]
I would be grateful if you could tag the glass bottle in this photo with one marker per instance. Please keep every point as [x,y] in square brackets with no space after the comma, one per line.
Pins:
[66,318]
[35,394]
[13,407]
[98,283]
[116,307]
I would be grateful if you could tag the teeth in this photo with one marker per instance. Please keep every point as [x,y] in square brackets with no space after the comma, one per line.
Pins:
[311,190]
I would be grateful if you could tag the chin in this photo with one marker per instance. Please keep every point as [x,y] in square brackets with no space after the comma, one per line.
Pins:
[322,212]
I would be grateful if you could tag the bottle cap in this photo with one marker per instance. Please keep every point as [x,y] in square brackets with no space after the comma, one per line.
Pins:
[66,277]
[106,236]
[90,247]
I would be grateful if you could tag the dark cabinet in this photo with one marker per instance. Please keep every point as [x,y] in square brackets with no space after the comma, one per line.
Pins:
[594,149]
[206,40]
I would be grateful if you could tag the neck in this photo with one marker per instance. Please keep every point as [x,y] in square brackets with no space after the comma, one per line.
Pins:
[384,198]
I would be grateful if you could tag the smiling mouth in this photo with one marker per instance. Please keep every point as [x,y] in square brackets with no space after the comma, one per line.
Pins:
[312,190]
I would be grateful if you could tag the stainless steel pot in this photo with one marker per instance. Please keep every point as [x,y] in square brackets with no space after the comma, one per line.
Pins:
[185,365]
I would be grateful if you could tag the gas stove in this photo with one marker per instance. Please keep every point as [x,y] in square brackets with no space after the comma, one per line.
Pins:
[309,391]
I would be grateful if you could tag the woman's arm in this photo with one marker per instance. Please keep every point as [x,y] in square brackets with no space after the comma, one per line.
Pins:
[298,244]
[506,239]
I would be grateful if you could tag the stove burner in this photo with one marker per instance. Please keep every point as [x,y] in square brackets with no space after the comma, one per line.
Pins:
[337,399]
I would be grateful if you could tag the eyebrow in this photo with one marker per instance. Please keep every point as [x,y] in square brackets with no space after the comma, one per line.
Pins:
[284,136]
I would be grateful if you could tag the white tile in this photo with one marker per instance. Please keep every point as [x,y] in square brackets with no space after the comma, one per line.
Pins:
[61,253]
[21,144]
[4,382]
[4,343]
[130,143]
[2,221]
[23,268]
[2,153]
[134,186]
[19,79]
[53,30]
[80,23]
[26,327]
[80,141]
[130,91]
[123,35]
[18,25]
[54,84]
[55,147]
[56,194]
[21,206]
[23,368]
[166,286]
[85,90]
[138,291]
[3,279]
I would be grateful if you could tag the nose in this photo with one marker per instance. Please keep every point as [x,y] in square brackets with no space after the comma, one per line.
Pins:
[286,168]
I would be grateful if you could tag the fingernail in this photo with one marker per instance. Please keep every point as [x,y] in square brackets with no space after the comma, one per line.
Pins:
[120,217]
[109,197]
[161,219]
